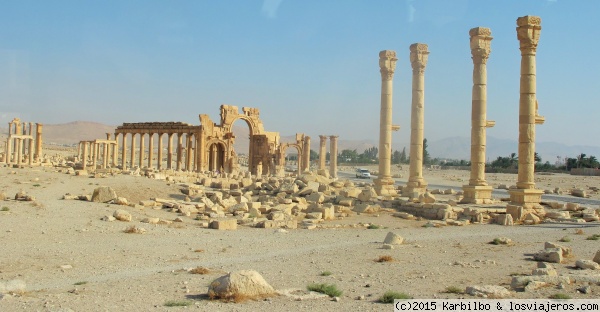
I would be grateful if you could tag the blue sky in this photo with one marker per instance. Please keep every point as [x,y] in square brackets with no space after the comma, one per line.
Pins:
[309,66]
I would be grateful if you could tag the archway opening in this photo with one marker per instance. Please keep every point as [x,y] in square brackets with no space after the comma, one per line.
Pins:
[216,157]
[241,144]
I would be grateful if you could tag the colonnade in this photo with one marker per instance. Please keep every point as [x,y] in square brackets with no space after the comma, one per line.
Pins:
[24,139]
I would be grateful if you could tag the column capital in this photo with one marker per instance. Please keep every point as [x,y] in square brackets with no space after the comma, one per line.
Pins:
[528,33]
[333,137]
[481,38]
[418,57]
[323,138]
[387,64]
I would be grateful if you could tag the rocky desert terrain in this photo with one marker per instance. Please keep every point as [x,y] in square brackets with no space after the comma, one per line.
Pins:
[61,251]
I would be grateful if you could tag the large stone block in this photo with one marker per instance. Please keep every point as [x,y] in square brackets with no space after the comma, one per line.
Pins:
[104,194]
[224,224]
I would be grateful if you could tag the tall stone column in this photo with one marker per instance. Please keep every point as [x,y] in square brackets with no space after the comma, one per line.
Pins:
[418,60]
[478,191]
[160,152]
[169,150]
[133,150]
[124,152]
[38,142]
[8,156]
[150,149]
[322,151]
[384,184]
[105,147]
[30,150]
[94,155]
[525,198]
[142,150]
[188,155]
[306,155]
[114,151]
[333,156]
[79,149]
[20,152]
[84,156]
[179,150]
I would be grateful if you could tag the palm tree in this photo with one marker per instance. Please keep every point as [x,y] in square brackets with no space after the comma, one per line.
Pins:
[581,160]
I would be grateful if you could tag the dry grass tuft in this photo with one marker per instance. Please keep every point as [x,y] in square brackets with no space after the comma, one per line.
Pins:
[199,270]
[385,258]
[199,250]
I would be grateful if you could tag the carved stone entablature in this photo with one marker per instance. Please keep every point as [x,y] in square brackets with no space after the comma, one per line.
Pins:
[528,33]
[418,57]
[387,64]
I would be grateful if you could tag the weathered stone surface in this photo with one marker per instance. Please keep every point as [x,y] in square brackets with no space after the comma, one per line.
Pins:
[597,257]
[104,194]
[150,220]
[224,224]
[578,193]
[121,201]
[587,264]
[554,255]
[367,195]
[566,251]
[427,198]
[488,291]
[393,239]
[504,219]
[122,215]
[366,208]
[316,197]
[241,284]
[522,281]
[544,271]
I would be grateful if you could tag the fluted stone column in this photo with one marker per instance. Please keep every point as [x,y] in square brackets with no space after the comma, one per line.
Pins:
[179,150]
[19,151]
[150,150]
[322,151]
[169,150]
[333,156]
[306,155]
[160,151]
[526,198]
[124,152]
[38,142]
[142,150]
[478,191]
[416,185]
[384,184]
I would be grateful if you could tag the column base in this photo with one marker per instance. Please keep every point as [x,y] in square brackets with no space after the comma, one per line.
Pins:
[524,201]
[385,187]
[413,192]
[476,194]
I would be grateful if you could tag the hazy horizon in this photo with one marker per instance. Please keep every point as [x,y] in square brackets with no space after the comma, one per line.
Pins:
[310,67]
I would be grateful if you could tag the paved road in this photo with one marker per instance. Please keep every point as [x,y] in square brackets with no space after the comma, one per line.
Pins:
[495,192]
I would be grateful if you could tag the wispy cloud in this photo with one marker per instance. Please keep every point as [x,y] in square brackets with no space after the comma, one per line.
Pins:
[270,7]
[411,11]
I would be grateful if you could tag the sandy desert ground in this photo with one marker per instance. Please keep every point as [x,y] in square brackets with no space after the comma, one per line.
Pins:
[71,260]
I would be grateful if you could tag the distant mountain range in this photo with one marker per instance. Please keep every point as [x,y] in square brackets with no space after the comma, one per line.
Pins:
[448,148]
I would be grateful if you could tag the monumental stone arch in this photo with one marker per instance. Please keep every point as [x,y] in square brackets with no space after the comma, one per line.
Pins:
[216,151]
[299,147]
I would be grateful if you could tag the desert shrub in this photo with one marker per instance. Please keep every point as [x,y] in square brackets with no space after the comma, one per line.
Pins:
[390,296]
[178,303]
[373,227]
[565,239]
[329,289]
[80,283]
[560,296]
[594,237]
[199,270]
[326,273]
[454,290]
[385,258]
[5,208]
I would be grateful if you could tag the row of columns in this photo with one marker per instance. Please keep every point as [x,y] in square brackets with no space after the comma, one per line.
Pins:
[190,146]
[332,154]
[23,139]
[525,197]
[98,150]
